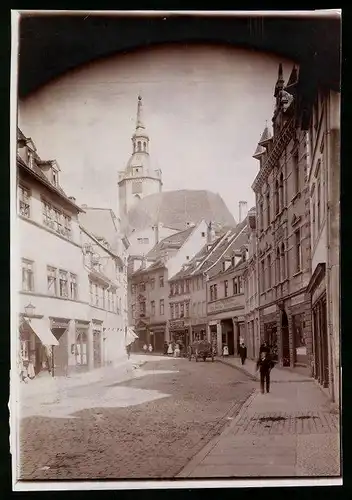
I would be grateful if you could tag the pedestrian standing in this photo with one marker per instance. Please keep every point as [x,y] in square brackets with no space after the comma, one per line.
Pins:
[145,348]
[177,351]
[150,348]
[243,353]
[225,351]
[264,348]
[170,350]
[264,365]
[165,348]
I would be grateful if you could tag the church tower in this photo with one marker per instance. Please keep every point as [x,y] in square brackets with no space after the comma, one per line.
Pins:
[138,179]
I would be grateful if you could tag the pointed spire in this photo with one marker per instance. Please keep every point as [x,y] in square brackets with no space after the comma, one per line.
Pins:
[139,123]
[293,78]
[266,136]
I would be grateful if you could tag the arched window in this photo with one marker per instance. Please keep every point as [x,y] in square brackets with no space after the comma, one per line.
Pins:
[278,267]
[281,186]
[139,145]
[277,197]
[144,146]
[283,266]
[268,207]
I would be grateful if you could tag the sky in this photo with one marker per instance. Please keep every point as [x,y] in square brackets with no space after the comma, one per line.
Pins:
[205,108]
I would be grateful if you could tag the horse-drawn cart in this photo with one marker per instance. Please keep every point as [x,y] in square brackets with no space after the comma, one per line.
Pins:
[201,349]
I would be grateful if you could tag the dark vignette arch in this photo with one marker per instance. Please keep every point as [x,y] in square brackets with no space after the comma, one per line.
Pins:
[52,45]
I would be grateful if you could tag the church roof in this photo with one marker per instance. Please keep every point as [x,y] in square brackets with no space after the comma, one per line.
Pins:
[259,152]
[177,209]
[266,137]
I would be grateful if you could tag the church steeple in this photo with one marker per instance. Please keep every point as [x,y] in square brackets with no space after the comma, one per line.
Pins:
[140,139]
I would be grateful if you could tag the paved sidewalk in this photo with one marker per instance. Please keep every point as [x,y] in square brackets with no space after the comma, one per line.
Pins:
[278,374]
[292,431]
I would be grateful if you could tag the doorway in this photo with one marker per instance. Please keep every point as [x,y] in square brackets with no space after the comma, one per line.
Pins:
[97,348]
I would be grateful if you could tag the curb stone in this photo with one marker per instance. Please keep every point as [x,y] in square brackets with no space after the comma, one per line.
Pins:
[200,456]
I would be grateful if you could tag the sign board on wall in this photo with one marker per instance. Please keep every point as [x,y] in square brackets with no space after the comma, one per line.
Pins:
[227,303]
[176,324]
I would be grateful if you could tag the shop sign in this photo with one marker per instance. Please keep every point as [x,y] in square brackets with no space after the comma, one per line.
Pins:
[176,324]
[60,323]
[224,304]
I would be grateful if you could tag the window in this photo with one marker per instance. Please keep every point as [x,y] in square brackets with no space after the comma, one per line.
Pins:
[313,218]
[283,266]
[24,201]
[277,197]
[198,287]
[73,286]
[298,250]
[176,311]
[268,207]
[161,281]
[133,288]
[67,226]
[215,292]
[263,275]
[56,220]
[144,146]
[182,310]
[296,172]
[142,308]
[278,266]
[240,284]
[172,289]
[161,307]
[137,187]
[318,206]
[269,271]
[133,311]
[226,288]
[52,280]
[142,287]
[187,286]
[281,187]
[152,308]
[27,276]
[235,286]
[261,214]
[152,283]
[172,311]
[54,177]
[187,310]
[211,290]
[63,284]
[139,146]
[81,348]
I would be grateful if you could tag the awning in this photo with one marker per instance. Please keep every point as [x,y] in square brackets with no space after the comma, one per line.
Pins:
[42,329]
[130,336]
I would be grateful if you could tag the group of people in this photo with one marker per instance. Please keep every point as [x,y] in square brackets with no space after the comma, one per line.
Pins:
[173,349]
[148,348]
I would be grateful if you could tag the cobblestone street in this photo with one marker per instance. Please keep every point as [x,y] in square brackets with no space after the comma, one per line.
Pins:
[149,427]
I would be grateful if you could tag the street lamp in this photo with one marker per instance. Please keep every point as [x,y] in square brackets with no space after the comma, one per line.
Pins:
[29,310]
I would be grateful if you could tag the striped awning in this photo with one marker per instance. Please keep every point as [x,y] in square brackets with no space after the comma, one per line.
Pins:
[42,330]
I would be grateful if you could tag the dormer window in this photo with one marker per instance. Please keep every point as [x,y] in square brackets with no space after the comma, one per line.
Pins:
[54,177]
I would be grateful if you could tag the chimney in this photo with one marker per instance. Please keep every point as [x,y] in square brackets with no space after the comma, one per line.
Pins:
[210,233]
[242,207]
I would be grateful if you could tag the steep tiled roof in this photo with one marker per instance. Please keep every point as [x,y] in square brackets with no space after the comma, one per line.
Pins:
[173,241]
[266,137]
[176,208]
[153,267]
[208,256]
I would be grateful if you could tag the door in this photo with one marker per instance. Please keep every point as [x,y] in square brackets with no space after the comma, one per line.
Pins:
[97,348]
[60,352]
[285,339]
[231,340]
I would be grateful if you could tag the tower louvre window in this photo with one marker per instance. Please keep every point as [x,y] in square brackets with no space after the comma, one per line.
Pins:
[137,187]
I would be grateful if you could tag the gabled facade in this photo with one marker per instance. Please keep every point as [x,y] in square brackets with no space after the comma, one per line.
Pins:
[283,246]
[148,289]
[60,330]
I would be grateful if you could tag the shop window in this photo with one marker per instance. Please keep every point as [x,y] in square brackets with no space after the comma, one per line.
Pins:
[299,340]
[27,276]
[81,354]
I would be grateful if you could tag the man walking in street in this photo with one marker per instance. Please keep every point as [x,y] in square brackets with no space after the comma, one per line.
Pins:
[264,348]
[264,365]
[243,353]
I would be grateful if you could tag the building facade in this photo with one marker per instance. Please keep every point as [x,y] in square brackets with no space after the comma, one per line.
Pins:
[324,190]
[283,246]
[138,179]
[57,326]
[251,290]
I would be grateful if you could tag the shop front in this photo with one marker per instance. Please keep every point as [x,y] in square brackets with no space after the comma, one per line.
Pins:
[36,347]
[198,332]
[317,290]
[180,334]
[157,336]
[59,328]
[97,343]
